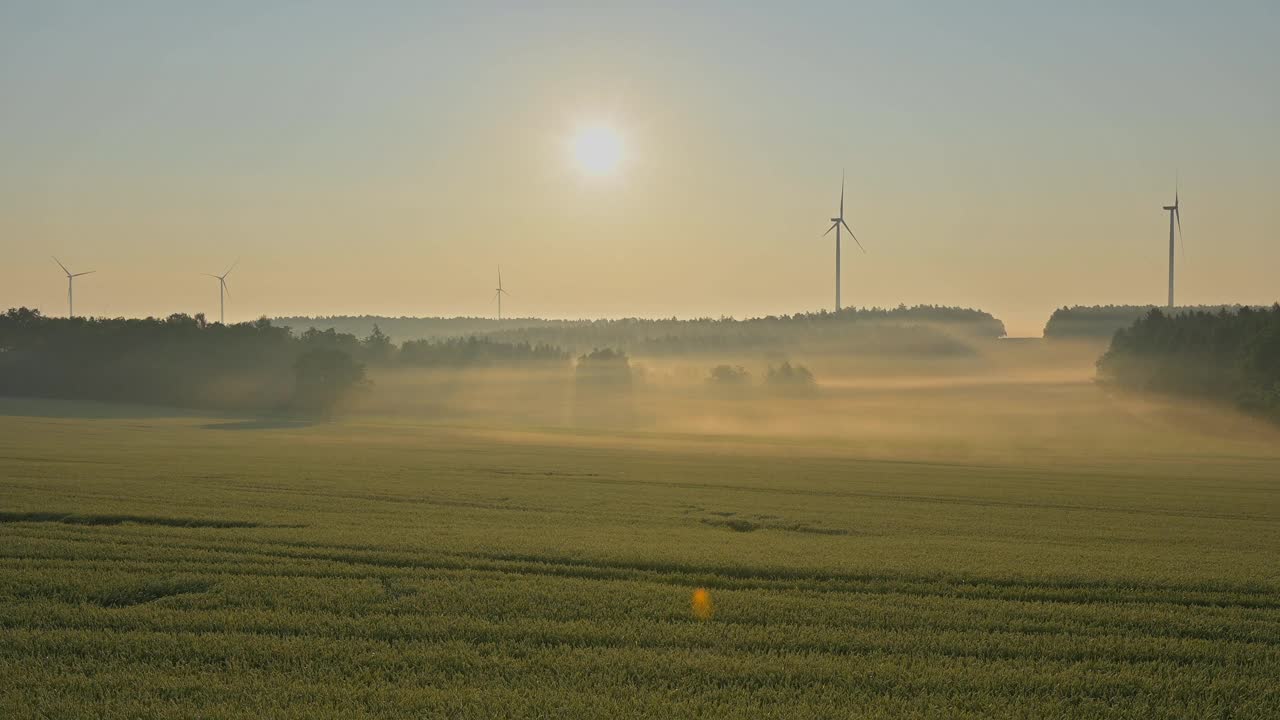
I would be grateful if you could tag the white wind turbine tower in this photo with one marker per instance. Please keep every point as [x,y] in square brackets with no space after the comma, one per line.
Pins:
[1175,217]
[836,223]
[499,293]
[223,292]
[70,282]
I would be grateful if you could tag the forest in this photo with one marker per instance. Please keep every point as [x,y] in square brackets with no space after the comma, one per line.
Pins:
[475,351]
[1228,355]
[186,361]
[919,329]
[1100,322]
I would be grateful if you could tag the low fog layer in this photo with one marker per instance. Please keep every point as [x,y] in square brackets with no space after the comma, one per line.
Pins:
[946,388]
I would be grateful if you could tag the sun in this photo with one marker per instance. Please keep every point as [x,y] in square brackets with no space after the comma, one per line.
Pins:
[597,150]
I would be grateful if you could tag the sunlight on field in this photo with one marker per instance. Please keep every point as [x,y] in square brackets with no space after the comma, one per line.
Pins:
[701,604]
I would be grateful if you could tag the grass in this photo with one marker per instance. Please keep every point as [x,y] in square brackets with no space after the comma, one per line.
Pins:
[153,566]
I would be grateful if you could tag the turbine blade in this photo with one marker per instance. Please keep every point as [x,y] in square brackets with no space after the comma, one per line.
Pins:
[842,193]
[64,267]
[855,237]
[225,289]
[90,272]
[233,267]
[1177,215]
[828,232]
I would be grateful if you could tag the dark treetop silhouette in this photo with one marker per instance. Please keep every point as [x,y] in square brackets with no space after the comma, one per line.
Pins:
[1233,356]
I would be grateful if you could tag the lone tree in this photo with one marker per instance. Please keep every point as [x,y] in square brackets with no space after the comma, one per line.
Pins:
[324,376]
[604,369]
[378,347]
[602,389]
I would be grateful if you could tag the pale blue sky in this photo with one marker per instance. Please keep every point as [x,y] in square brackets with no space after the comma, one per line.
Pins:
[383,157]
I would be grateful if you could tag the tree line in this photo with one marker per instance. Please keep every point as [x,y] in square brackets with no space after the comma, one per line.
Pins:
[1100,322]
[925,329]
[186,361]
[1230,355]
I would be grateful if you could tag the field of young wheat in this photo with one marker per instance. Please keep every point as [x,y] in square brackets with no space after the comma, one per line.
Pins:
[183,566]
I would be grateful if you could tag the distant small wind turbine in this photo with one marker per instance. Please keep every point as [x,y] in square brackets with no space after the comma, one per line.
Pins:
[836,223]
[499,293]
[1175,217]
[70,281]
[223,291]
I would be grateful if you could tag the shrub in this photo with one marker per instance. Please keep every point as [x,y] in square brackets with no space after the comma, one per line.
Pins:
[729,375]
[788,375]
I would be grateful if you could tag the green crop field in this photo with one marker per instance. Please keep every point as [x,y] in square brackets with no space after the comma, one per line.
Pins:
[1031,551]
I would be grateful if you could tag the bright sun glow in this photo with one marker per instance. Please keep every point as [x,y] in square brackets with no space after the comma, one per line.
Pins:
[597,150]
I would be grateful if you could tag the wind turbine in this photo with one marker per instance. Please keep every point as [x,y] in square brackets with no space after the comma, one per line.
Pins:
[1175,217]
[499,293]
[836,223]
[223,291]
[70,282]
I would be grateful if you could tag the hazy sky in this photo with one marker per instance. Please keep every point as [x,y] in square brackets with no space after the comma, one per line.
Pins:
[384,157]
